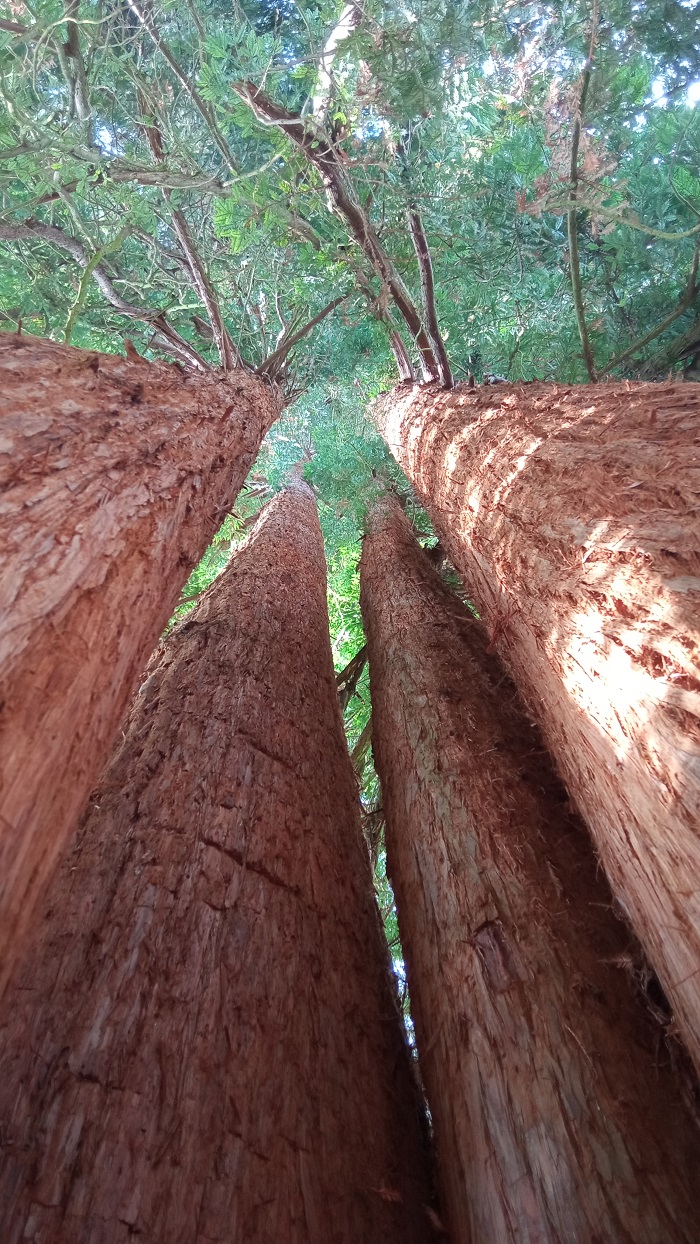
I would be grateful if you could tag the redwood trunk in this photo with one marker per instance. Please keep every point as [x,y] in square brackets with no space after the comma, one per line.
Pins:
[554,1122]
[113,477]
[203,1044]
[573,515]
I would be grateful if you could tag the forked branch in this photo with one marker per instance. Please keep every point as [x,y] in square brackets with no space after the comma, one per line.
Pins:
[274,362]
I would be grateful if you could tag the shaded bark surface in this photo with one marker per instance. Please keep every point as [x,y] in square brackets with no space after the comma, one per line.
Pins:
[114,475]
[573,515]
[203,1044]
[557,1119]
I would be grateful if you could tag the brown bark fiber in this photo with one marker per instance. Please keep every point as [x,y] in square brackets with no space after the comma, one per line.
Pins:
[572,514]
[203,1044]
[113,477]
[558,1119]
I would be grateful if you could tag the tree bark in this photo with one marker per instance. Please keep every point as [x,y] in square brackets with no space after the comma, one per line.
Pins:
[572,515]
[203,1043]
[114,475]
[554,1122]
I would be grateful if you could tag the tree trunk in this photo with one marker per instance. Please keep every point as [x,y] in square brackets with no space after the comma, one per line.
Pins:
[114,475]
[554,1122]
[572,514]
[203,1043]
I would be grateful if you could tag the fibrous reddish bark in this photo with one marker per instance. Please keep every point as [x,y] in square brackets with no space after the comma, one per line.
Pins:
[554,1122]
[572,514]
[203,1043]
[113,477]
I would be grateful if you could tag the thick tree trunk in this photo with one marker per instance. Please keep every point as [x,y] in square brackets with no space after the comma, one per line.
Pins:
[554,1122]
[113,477]
[572,514]
[203,1044]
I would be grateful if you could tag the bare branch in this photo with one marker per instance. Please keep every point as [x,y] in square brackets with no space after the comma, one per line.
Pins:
[202,107]
[272,365]
[686,301]
[13,28]
[420,243]
[78,82]
[425,267]
[572,214]
[313,142]
[175,344]
[228,354]
[361,748]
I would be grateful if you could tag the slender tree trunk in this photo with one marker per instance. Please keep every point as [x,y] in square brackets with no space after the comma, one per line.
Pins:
[572,514]
[554,1122]
[203,1043]
[113,476]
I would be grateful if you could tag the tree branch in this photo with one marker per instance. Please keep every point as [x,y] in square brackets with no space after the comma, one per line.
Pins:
[420,243]
[194,265]
[228,354]
[13,28]
[312,141]
[686,301]
[361,748]
[346,681]
[425,268]
[572,214]
[201,106]
[176,344]
[78,82]
[677,349]
[272,365]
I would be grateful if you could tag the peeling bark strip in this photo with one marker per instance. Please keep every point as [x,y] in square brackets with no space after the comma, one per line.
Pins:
[572,514]
[203,1044]
[113,477]
[554,1121]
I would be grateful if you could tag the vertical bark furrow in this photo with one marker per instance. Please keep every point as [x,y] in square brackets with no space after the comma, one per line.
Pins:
[114,475]
[557,1117]
[202,1044]
[573,515]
